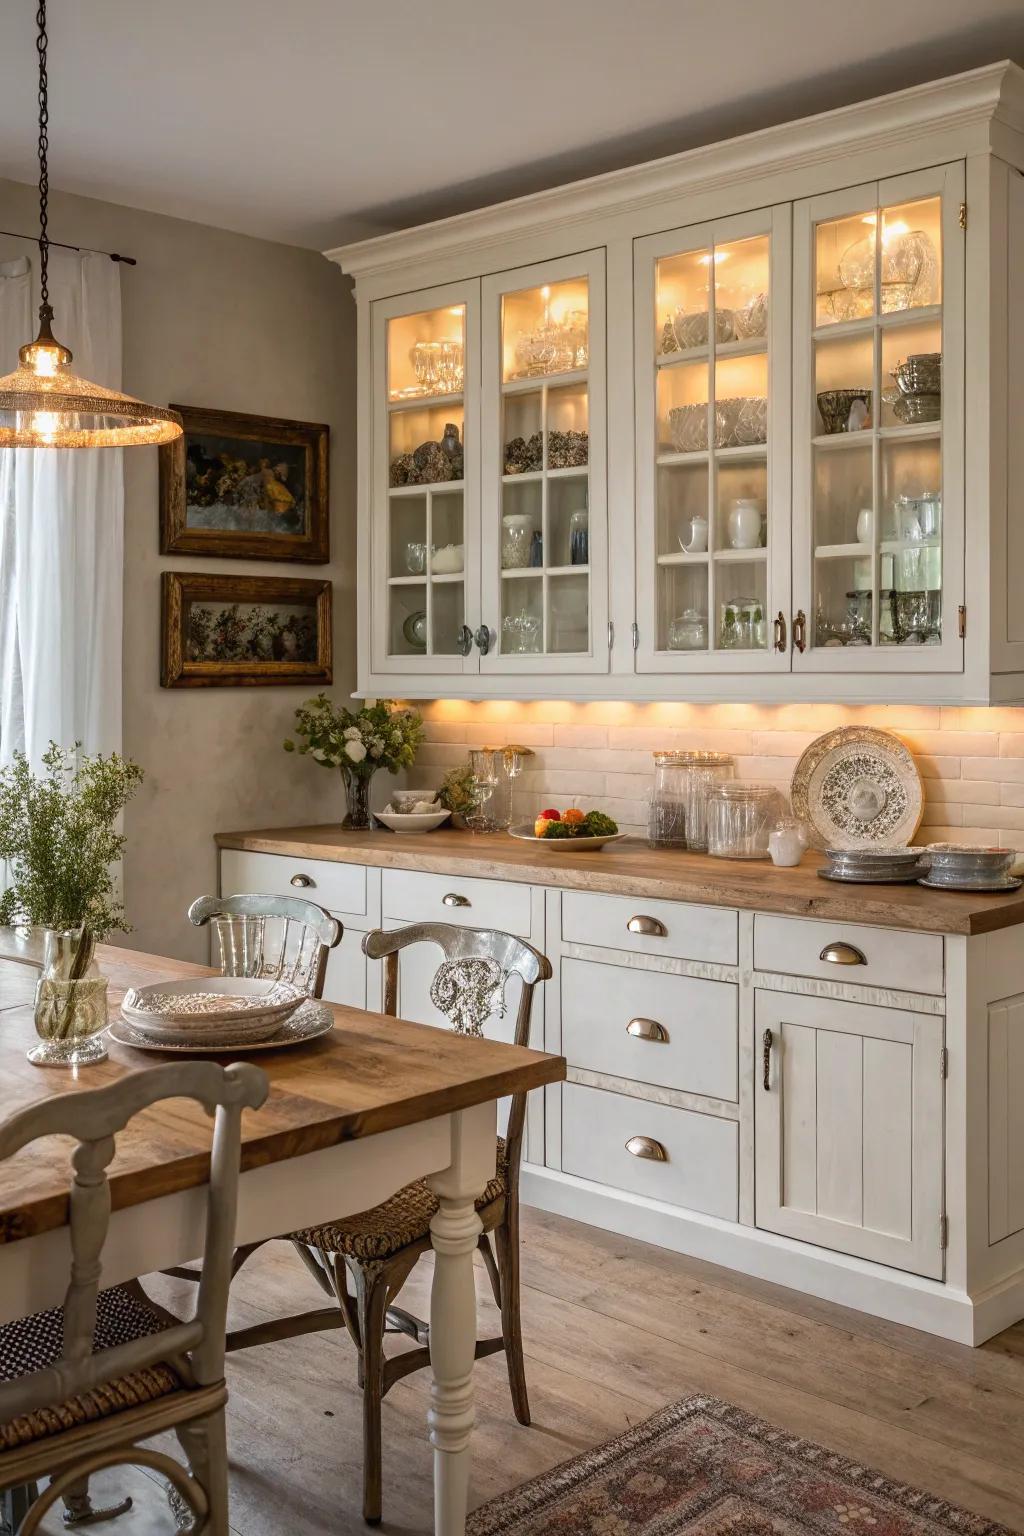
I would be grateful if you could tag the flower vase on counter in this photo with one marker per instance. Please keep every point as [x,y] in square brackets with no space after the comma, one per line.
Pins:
[358,743]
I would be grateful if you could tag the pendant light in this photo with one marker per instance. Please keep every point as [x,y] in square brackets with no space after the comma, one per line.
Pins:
[43,404]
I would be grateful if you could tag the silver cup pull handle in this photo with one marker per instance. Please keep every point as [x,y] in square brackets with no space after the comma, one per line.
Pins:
[647,1147]
[302,881]
[648,927]
[647,1029]
[453,899]
[840,953]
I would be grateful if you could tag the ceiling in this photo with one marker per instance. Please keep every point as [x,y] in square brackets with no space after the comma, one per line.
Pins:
[317,121]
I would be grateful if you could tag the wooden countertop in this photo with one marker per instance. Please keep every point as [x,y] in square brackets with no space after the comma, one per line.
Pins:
[370,1073]
[630,868]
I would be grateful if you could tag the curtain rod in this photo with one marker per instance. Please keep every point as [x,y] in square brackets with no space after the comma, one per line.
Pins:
[128,261]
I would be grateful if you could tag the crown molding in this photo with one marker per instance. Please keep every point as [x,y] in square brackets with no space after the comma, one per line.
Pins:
[976,97]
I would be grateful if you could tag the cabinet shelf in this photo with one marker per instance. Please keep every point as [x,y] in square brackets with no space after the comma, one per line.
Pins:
[842,552]
[760,553]
[447,579]
[552,380]
[681,557]
[424,402]
[915,432]
[431,487]
[888,322]
[407,581]
[756,346]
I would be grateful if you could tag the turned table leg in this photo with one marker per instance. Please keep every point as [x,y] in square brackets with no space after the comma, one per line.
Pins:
[454,1232]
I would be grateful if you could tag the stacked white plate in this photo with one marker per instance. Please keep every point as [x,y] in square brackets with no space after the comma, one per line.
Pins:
[961,867]
[221,1010]
[873,866]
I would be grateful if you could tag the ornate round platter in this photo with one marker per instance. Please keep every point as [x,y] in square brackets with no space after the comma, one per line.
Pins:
[1010,883]
[857,787]
[306,1023]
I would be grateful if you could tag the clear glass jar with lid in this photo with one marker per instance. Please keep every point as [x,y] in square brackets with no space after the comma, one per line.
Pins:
[741,818]
[682,782]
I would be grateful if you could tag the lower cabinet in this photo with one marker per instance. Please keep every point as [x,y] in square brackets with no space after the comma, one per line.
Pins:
[346,980]
[849,1128]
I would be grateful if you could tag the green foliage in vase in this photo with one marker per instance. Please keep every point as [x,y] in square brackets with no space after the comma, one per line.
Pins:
[460,791]
[380,735]
[57,834]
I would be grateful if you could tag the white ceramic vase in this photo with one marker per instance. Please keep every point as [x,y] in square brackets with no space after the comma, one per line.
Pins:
[744,524]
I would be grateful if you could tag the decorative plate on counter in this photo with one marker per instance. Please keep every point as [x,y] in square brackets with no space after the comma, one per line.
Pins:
[857,787]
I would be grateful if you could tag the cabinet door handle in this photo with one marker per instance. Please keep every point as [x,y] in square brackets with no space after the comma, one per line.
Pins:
[649,927]
[843,954]
[647,1029]
[464,640]
[483,639]
[453,899]
[646,1146]
[780,631]
[800,630]
[302,881]
[766,1057]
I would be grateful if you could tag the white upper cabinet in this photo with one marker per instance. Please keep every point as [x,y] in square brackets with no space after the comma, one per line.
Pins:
[712,450]
[734,425]
[878,426]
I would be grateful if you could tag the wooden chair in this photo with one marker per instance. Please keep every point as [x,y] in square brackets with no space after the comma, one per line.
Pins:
[83,1385]
[379,1248]
[282,938]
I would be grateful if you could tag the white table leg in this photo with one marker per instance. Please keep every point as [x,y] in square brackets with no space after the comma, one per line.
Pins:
[453,1233]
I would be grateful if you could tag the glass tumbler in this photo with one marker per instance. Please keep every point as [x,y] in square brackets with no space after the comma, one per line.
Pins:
[693,774]
[741,818]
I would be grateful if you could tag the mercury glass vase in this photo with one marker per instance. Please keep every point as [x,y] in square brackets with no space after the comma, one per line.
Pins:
[70,1002]
[357,790]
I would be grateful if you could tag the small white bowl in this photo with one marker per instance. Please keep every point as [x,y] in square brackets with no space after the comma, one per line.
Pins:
[423,821]
[447,560]
[405,799]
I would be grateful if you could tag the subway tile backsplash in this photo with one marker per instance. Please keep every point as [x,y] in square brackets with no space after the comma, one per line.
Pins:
[599,754]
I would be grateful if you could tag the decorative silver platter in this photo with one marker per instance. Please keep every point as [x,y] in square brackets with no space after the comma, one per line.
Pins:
[1009,883]
[306,1023]
[858,787]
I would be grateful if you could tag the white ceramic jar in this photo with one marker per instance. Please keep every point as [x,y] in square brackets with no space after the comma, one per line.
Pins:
[744,523]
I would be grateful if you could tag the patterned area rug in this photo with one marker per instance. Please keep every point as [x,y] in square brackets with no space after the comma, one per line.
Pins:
[704,1468]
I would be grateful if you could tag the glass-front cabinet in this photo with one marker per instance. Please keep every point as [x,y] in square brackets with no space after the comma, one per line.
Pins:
[713,411]
[424,589]
[878,476]
[544,579]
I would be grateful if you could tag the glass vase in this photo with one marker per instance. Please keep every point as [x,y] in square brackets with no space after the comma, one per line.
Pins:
[357,790]
[70,1002]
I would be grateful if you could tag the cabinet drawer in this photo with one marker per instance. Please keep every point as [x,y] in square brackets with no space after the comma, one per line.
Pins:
[338,887]
[684,1029]
[415,897]
[875,957]
[700,1169]
[685,932]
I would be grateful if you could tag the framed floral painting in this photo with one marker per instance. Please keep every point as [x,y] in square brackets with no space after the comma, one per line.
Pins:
[244,631]
[251,487]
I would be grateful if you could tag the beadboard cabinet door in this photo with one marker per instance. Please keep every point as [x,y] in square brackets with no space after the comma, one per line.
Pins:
[849,1128]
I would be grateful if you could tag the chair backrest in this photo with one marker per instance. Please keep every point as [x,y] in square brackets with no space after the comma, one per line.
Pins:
[469,988]
[94,1118]
[282,938]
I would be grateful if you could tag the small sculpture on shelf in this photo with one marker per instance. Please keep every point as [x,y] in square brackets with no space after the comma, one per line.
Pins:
[432,462]
[523,456]
[567,450]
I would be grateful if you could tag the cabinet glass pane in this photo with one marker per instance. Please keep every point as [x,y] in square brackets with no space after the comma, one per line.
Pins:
[912,374]
[911,255]
[844,264]
[843,521]
[844,372]
[545,492]
[426,571]
[911,539]
[545,330]
[711,448]
[426,353]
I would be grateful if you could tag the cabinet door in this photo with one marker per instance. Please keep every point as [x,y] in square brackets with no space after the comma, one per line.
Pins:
[712,349]
[346,978]
[544,534]
[878,444]
[424,493]
[849,1128]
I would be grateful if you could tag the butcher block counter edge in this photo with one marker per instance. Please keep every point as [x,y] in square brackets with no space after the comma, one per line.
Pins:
[630,868]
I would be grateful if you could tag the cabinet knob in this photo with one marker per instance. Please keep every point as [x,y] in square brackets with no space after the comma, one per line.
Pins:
[302,881]
[483,639]
[843,954]
[453,899]
[800,630]
[464,640]
[780,631]
[649,927]
[647,1029]
[646,1146]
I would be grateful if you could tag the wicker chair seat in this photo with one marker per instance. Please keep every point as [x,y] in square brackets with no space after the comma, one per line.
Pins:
[34,1343]
[402,1219]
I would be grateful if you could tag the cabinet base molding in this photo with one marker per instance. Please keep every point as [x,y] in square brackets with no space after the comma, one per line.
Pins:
[848,1282]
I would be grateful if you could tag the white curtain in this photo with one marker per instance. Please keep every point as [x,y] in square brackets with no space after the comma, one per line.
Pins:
[62,531]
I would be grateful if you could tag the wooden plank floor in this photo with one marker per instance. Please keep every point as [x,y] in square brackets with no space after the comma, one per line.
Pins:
[614,1330]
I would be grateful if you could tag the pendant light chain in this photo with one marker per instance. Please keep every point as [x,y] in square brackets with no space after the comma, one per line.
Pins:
[44,144]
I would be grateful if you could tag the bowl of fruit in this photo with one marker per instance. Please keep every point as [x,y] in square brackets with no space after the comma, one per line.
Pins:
[571,830]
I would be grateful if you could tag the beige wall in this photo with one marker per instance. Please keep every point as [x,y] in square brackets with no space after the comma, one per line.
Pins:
[213,319]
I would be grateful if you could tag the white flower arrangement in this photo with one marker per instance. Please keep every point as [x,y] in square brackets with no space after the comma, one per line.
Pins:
[380,735]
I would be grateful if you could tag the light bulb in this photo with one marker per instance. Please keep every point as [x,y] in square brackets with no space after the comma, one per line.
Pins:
[44,358]
[895,230]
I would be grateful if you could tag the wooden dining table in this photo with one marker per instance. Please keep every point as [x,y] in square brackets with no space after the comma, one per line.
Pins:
[351,1117]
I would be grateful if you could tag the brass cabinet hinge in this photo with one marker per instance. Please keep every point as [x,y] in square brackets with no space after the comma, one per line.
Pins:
[943,1231]
[943,1063]
[961,620]
[963,215]
[635,627]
